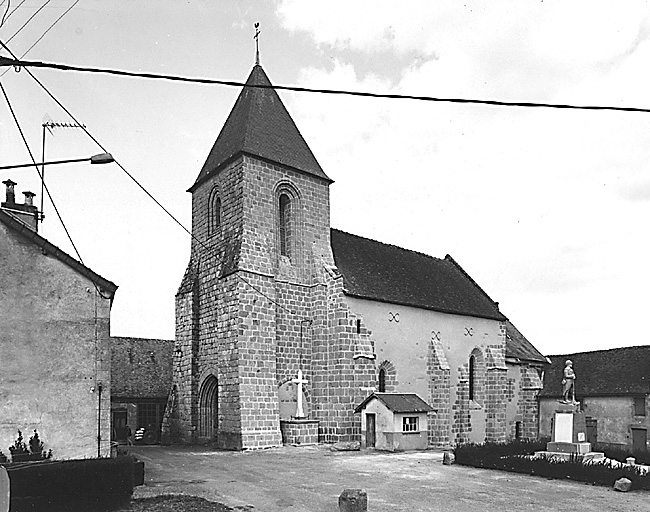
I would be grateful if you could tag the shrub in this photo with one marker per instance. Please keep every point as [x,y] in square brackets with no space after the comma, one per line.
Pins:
[516,457]
[611,452]
[20,452]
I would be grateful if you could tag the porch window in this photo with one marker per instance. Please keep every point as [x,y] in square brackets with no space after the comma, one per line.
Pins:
[410,424]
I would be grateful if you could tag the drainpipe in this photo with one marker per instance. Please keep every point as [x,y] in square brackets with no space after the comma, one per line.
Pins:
[99,420]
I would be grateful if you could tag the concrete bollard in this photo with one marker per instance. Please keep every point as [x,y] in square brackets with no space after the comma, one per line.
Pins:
[353,500]
[448,458]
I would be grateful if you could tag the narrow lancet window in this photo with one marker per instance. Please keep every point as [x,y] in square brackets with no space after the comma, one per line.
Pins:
[215,215]
[382,381]
[285,225]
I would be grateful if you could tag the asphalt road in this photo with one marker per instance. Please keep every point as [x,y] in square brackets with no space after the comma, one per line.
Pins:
[310,479]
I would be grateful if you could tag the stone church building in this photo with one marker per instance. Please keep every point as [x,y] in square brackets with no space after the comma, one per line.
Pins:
[271,289]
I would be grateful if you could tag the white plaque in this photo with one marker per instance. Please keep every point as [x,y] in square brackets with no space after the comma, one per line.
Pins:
[563,428]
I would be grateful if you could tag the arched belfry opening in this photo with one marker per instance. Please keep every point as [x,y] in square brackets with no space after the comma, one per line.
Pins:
[208,408]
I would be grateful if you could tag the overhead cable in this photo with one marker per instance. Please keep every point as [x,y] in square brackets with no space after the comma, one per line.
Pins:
[28,20]
[20,130]
[18,63]
[151,196]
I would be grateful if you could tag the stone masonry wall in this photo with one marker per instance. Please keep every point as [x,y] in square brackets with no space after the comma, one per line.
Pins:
[496,389]
[254,317]
[530,385]
[438,372]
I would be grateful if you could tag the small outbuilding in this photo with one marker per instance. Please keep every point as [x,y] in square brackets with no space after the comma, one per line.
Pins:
[394,422]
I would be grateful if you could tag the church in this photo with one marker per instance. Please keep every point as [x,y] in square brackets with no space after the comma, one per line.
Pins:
[284,325]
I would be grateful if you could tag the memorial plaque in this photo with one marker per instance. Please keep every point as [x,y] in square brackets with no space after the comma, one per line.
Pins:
[563,428]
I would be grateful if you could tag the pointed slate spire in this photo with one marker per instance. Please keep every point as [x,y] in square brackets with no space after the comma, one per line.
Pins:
[260,125]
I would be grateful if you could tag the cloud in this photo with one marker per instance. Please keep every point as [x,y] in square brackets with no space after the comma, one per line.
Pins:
[541,206]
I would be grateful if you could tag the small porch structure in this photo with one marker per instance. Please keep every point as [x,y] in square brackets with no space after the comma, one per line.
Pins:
[394,422]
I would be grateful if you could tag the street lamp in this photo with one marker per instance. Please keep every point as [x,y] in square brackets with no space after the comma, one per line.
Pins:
[101,158]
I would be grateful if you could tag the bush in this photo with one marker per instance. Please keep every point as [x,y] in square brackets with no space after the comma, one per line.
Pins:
[515,457]
[21,453]
[641,456]
[73,484]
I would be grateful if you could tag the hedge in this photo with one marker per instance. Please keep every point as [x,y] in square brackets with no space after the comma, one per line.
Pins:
[92,484]
[515,457]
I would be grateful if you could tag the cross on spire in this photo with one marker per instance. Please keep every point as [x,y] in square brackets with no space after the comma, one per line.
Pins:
[257,43]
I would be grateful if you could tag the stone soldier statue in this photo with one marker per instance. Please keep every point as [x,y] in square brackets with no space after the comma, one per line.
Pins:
[568,383]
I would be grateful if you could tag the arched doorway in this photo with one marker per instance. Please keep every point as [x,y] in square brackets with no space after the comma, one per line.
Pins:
[208,409]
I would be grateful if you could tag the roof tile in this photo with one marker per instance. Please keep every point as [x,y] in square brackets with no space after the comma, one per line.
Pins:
[387,273]
[618,371]
[260,125]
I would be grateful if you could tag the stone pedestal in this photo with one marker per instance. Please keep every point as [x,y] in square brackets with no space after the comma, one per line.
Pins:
[353,500]
[299,431]
[569,435]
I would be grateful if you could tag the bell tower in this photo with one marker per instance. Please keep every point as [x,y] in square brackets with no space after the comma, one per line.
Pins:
[250,308]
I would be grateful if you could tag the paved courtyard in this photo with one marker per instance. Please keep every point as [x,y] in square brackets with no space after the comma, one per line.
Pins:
[310,479]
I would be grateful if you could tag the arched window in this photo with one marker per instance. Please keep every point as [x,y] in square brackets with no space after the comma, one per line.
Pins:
[382,380]
[285,225]
[472,376]
[215,214]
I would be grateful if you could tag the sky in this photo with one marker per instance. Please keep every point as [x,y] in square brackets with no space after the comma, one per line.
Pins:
[545,208]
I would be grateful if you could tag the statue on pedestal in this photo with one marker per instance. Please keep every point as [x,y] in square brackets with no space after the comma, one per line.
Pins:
[568,383]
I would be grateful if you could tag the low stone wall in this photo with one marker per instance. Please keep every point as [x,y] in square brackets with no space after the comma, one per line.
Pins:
[299,432]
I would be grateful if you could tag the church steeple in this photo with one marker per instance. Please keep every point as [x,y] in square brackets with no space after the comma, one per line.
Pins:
[260,125]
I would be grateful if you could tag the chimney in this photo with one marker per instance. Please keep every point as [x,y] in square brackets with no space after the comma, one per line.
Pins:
[11,195]
[27,212]
[29,198]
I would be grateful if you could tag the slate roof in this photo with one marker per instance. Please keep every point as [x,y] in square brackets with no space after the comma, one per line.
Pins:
[619,371]
[387,273]
[260,125]
[141,368]
[398,402]
[52,250]
[519,348]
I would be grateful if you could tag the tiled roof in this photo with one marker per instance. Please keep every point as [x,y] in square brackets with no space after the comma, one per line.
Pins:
[377,271]
[260,125]
[398,402]
[141,368]
[518,347]
[619,371]
[52,250]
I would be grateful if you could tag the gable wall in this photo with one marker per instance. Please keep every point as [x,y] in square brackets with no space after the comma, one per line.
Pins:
[54,351]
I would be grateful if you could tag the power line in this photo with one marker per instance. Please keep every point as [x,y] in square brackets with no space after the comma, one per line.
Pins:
[83,127]
[20,130]
[28,20]
[6,17]
[44,33]
[18,63]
